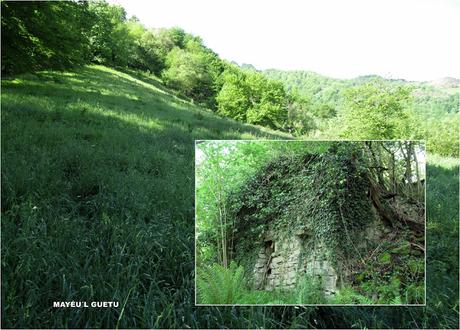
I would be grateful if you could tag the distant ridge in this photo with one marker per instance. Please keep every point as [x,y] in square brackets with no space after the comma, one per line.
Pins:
[446,82]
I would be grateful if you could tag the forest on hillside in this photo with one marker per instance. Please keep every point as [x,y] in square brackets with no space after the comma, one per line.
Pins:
[431,108]
[310,222]
[99,119]
[59,35]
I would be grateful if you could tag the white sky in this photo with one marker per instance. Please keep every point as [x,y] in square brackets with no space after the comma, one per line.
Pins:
[409,39]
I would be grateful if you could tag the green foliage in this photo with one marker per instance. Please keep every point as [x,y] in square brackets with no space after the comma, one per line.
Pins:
[442,134]
[319,89]
[248,96]
[220,168]
[395,275]
[219,285]
[142,240]
[432,111]
[300,120]
[325,111]
[193,71]
[63,34]
[309,290]
[349,296]
[287,194]
[376,111]
[253,297]
[268,100]
[44,34]
[413,294]
[385,258]
[234,99]
[112,38]
[323,193]
[152,47]
[79,202]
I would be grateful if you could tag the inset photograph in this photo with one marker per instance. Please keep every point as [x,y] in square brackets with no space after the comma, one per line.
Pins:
[310,222]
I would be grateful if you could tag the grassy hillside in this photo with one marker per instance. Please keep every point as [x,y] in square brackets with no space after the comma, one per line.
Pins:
[97,205]
[97,197]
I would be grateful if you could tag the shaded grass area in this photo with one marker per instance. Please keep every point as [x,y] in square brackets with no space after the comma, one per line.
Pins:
[97,199]
[97,205]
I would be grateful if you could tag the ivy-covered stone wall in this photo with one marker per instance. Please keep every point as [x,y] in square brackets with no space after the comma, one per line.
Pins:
[289,261]
[305,214]
[283,260]
[277,263]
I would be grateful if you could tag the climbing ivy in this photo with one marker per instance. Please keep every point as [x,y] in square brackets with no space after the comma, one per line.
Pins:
[323,194]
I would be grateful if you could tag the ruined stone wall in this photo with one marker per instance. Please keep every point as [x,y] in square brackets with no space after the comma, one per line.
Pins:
[315,264]
[277,268]
[281,262]
[283,259]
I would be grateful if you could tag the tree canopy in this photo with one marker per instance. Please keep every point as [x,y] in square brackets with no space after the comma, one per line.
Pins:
[376,111]
[249,96]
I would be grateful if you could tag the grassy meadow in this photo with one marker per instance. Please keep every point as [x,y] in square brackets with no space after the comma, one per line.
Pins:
[98,205]
[97,198]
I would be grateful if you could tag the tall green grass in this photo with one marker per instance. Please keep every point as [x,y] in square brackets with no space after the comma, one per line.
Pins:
[97,204]
[97,198]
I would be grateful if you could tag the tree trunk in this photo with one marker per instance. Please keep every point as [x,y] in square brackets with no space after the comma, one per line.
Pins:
[417,173]
[407,157]
[377,164]
[393,174]
[388,214]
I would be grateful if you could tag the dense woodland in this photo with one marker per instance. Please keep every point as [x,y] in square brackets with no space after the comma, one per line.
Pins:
[335,190]
[99,118]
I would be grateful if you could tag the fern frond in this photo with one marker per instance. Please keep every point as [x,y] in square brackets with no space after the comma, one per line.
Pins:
[219,285]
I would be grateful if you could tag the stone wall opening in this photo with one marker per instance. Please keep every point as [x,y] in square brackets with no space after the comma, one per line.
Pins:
[277,263]
[264,266]
[269,246]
